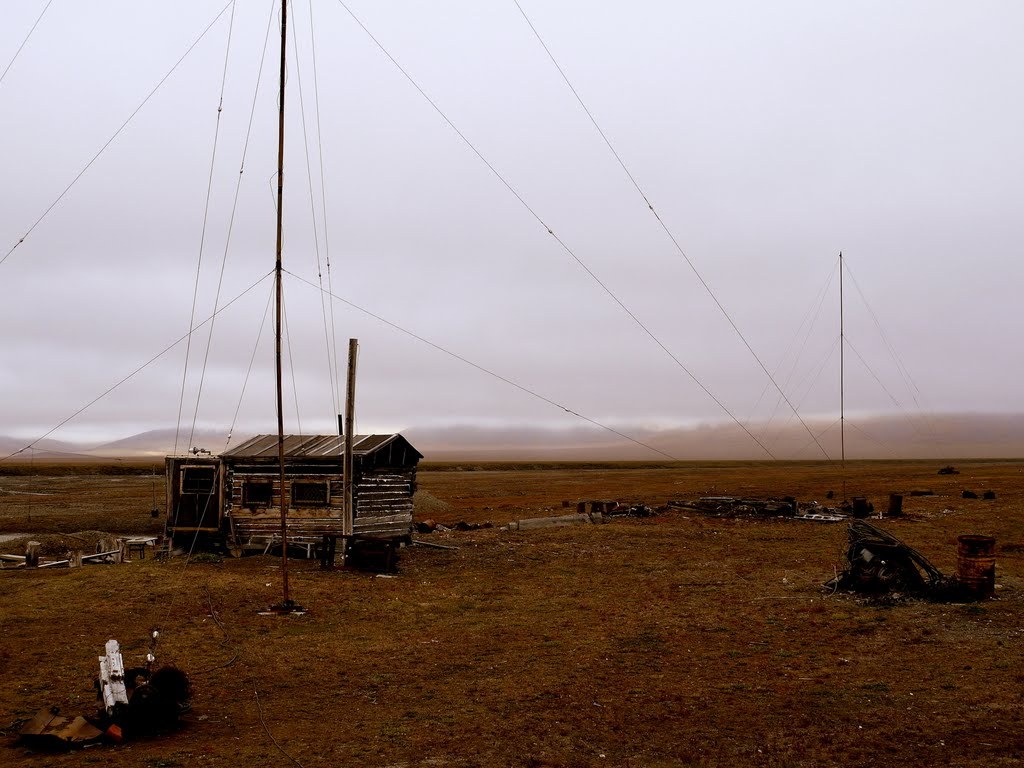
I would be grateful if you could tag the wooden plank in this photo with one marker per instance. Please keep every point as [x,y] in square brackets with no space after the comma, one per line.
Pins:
[432,545]
[384,531]
[100,555]
[391,519]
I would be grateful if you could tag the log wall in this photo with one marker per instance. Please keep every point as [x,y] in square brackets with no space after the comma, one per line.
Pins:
[383,501]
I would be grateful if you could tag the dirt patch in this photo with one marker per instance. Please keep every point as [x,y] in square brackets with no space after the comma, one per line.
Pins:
[668,641]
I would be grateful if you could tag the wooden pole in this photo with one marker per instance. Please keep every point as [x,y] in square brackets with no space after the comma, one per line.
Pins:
[278,306]
[842,378]
[350,420]
[895,505]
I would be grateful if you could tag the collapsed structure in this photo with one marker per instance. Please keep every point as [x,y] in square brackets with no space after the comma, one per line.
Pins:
[234,500]
[877,563]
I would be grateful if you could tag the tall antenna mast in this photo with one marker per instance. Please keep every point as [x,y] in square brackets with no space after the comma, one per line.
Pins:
[842,379]
[286,604]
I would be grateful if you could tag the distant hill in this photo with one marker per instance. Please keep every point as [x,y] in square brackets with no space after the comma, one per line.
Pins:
[154,443]
[160,442]
[937,436]
[44,449]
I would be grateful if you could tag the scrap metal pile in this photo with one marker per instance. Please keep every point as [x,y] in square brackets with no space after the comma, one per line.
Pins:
[736,506]
[135,703]
[879,563]
[787,506]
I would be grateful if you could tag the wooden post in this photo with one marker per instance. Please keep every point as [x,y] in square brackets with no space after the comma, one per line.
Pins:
[278,310]
[860,507]
[32,554]
[895,505]
[76,559]
[842,385]
[327,551]
[348,523]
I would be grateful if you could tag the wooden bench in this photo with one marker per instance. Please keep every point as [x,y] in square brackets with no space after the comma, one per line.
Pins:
[137,545]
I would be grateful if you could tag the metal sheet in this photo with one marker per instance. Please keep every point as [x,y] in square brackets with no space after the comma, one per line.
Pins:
[49,730]
[313,446]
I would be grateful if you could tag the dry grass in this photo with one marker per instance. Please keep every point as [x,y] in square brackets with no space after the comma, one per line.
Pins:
[671,641]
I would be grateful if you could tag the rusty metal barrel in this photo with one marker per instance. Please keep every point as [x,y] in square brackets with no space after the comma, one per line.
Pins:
[895,505]
[976,565]
[860,507]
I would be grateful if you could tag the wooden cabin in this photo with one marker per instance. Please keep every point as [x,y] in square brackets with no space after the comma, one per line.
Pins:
[234,499]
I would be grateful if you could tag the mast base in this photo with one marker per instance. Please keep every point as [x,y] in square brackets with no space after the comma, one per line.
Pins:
[283,608]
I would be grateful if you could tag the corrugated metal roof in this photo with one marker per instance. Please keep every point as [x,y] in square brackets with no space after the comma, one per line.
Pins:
[317,446]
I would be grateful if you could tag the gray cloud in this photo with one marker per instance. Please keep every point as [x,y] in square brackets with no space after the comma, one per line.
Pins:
[768,136]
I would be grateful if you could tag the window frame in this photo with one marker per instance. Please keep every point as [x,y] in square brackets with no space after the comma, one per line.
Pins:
[325,485]
[194,469]
[268,484]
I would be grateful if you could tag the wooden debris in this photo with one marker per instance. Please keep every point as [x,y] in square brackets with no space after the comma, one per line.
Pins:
[735,506]
[432,545]
[32,554]
[51,731]
[532,523]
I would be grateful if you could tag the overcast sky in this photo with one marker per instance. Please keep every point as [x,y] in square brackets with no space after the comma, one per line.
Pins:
[769,136]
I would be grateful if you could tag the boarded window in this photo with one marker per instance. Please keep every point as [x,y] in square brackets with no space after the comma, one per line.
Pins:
[309,493]
[257,493]
[198,479]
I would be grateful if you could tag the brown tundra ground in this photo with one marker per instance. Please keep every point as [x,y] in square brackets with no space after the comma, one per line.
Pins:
[676,640]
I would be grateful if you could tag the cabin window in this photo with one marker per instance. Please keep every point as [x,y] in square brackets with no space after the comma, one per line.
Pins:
[198,479]
[257,493]
[309,493]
